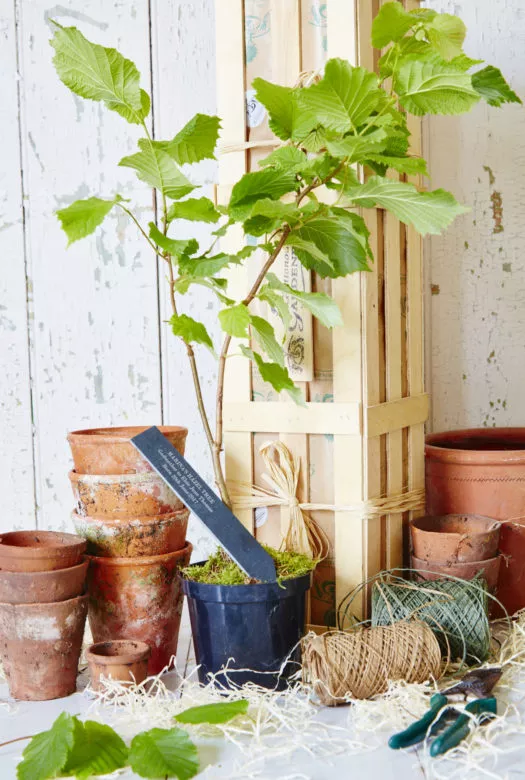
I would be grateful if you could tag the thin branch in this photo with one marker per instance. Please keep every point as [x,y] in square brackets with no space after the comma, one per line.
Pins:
[18,739]
[137,223]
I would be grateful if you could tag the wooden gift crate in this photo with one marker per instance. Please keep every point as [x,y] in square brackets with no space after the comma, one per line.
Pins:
[361,434]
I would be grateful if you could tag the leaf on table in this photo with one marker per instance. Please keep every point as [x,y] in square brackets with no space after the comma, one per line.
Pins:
[46,755]
[164,753]
[97,750]
[219,712]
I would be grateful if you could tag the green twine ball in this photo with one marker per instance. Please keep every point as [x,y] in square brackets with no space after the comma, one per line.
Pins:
[455,611]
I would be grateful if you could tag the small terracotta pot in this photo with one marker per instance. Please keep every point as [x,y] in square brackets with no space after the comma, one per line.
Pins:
[40,587]
[109,450]
[433,570]
[133,537]
[138,598]
[129,495]
[122,659]
[40,550]
[455,538]
[40,647]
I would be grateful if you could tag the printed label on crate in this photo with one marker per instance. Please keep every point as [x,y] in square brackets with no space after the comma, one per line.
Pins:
[205,504]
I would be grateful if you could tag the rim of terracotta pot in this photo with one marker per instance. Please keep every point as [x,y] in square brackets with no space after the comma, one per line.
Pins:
[114,479]
[477,445]
[118,434]
[143,520]
[129,651]
[38,605]
[31,576]
[427,565]
[48,542]
[482,525]
[145,560]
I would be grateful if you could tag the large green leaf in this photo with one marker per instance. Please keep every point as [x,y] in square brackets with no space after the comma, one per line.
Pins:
[195,142]
[264,335]
[220,712]
[47,752]
[195,210]
[322,306]
[155,167]
[432,86]
[97,73]
[164,753]
[277,376]
[183,283]
[235,320]
[357,147]
[190,331]
[428,212]
[277,302]
[173,246]
[391,23]
[446,33]
[490,84]
[412,166]
[343,99]
[290,158]
[97,750]
[343,243]
[267,215]
[206,265]
[268,183]
[83,217]
[280,104]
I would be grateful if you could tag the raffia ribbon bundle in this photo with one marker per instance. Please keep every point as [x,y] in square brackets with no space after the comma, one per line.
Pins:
[300,533]
[359,663]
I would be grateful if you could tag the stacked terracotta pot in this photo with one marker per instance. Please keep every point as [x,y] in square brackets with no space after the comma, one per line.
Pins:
[462,546]
[42,612]
[135,529]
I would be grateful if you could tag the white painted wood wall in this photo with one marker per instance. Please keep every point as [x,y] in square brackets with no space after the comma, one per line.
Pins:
[82,334]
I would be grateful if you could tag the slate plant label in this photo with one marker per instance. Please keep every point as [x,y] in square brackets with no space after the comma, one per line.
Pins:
[205,504]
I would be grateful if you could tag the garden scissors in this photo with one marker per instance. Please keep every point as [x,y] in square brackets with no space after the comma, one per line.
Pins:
[478,683]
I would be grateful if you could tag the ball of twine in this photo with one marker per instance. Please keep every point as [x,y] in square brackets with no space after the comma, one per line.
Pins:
[360,662]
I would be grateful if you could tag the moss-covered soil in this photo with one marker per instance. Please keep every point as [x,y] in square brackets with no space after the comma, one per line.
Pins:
[219,569]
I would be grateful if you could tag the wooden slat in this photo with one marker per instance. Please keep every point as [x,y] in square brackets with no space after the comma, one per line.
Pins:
[289,418]
[392,416]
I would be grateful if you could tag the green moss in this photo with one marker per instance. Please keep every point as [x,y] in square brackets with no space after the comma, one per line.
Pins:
[219,569]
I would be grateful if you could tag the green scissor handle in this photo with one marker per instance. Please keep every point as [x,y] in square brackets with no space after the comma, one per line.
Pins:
[416,731]
[460,728]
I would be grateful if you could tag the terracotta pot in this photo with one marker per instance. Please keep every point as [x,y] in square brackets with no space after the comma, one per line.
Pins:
[133,537]
[433,570]
[123,659]
[40,647]
[109,450]
[138,598]
[129,495]
[42,587]
[482,471]
[40,550]
[453,538]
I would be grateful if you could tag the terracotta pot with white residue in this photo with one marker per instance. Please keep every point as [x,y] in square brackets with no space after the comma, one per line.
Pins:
[123,495]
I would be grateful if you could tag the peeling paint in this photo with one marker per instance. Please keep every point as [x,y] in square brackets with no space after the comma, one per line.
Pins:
[497,211]
[507,267]
[434,289]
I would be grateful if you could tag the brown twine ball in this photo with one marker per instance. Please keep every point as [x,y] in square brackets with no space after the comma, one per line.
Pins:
[359,663]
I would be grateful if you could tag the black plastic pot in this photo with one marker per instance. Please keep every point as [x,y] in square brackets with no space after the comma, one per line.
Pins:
[258,626]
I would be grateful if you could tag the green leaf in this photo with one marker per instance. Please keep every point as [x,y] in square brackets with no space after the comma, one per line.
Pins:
[83,217]
[287,157]
[206,266]
[252,187]
[47,752]
[175,247]
[324,308]
[356,147]
[342,244]
[391,23]
[190,331]
[447,34]
[267,215]
[183,284]
[264,335]
[277,376]
[490,84]
[155,167]
[195,142]
[97,73]
[412,166]
[164,753]
[221,712]
[195,210]
[432,86]
[276,302]
[97,750]
[280,104]
[428,212]
[235,320]
[343,99]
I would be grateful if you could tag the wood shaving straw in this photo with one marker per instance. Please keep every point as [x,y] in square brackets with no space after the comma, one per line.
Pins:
[359,664]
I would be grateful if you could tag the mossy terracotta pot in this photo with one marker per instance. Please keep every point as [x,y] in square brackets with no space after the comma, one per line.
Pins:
[40,647]
[434,570]
[125,660]
[123,495]
[109,450]
[24,587]
[40,550]
[455,538]
[133,537]
[140,599]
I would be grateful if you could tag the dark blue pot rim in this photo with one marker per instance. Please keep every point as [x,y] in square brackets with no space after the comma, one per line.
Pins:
[245,594]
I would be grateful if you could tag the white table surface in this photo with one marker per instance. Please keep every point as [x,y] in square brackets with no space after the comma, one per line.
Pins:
[221,759]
